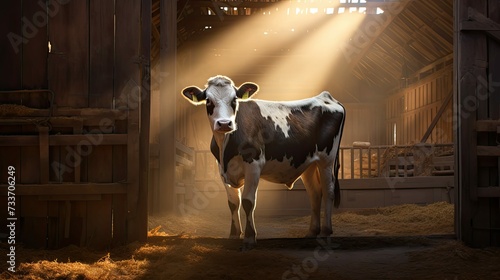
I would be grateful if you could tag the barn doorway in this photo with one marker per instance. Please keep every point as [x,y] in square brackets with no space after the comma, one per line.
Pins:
[390,64]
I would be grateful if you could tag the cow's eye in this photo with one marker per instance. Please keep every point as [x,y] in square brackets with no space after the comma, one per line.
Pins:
[209,102]
[233,102]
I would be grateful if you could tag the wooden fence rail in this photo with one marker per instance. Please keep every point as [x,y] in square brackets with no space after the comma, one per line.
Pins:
[358,162]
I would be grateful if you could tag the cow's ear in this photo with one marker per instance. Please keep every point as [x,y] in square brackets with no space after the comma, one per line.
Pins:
[194,95]
[246,90]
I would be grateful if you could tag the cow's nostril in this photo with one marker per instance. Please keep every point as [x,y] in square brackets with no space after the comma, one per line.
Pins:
[224,125]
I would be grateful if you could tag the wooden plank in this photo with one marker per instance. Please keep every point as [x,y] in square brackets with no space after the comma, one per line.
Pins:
[55,231]
[68,61]
[33,231]
[44,154]
[12,43]
[34,226]
[101,25]
[183,161]
[66,140]
[493,192]
[494,113]
[481,23]
[69,188]
[420,182]
[35,53]
[493,151]
[487,125]
[128,87]
[145,119]
[471,68]
[440,112]
[119,219]
[168,89]
[77,130]
[72,197]
[100,163]
[99,222]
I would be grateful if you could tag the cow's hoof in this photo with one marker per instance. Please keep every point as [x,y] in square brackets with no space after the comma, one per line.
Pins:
[312,234]
[235,236]
[247,247]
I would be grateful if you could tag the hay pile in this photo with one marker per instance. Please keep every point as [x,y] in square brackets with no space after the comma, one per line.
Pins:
[174,251]
[160,258]
[408,219]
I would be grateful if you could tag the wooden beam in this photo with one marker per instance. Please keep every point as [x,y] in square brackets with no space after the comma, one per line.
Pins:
[168,100]
[65,140]
[360,54]
[391,183]
[492,151]
[437,117]
[488,192]
[487,125]
[479,22]
[68,189]
[145,113]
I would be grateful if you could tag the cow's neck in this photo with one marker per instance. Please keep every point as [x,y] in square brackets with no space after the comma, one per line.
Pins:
[219,139]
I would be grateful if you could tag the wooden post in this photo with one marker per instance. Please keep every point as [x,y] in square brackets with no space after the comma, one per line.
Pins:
[168,100]
[145,115]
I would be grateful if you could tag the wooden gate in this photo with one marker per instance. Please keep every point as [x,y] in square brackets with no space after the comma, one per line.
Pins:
[477,111]
[74,121]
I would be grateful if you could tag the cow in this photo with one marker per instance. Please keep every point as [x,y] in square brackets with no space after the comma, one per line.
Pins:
[276,141]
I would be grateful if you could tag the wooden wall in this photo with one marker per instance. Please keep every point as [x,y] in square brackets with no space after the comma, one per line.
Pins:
[413,109]
[74,120]
[364,122]
[477,99]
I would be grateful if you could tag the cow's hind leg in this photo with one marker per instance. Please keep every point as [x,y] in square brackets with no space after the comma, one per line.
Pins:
[327,187]
[311,180]
[234,201]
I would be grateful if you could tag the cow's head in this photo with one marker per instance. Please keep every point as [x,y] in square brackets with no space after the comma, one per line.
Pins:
[221,98]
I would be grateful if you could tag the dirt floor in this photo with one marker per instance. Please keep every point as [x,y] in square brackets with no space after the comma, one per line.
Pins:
[401,242]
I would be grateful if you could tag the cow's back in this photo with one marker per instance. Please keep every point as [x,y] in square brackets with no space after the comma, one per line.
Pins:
[288,136]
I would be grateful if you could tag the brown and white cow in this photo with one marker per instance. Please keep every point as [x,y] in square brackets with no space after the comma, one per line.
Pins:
[276,141]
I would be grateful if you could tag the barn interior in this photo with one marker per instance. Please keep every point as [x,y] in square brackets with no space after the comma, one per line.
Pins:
[102,146]
[390,63]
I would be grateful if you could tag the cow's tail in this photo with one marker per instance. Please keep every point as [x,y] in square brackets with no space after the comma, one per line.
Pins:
[336,187]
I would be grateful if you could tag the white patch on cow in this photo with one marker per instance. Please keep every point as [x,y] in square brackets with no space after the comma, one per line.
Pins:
[277,113]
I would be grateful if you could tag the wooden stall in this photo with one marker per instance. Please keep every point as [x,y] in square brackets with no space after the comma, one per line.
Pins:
[74,121]
[477,102]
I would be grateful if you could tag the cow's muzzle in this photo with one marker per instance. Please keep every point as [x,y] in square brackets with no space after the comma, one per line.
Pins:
[224,126]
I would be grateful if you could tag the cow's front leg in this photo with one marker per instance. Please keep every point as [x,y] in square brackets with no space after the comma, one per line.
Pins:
[249,200]
[234,201]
